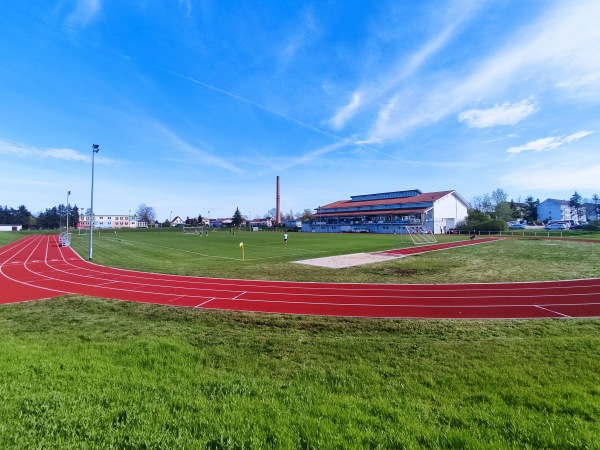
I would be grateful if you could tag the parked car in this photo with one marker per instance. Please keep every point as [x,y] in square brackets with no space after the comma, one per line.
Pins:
[516,226]
[579,226]
[556,226]
[452,231]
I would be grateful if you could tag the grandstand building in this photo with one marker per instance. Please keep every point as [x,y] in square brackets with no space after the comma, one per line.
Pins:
[391,212]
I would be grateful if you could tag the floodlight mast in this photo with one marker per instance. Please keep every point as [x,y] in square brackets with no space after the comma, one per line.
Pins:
[68,193]
[95,149]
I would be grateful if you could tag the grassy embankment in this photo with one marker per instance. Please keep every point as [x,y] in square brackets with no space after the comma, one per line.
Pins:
[86,373]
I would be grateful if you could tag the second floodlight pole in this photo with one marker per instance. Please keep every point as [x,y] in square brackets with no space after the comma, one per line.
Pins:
[95,149]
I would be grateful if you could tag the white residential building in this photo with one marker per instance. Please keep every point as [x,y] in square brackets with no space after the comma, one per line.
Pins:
[110,221]
[552,209]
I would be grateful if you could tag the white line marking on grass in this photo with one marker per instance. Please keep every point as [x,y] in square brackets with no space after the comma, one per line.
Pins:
[189,251]
[122,241]
[549,310]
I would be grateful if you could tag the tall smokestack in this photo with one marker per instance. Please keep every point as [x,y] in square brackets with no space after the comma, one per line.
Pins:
[278,205]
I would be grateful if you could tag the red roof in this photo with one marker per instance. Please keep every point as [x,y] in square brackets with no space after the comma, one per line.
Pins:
[375,211]
[424,197]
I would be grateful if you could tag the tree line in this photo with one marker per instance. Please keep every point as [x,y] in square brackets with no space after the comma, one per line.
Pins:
[491,212]
[51,218]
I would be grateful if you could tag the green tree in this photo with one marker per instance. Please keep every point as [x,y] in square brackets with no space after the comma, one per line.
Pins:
[498,196]
[503,211]
[575,205]
[237,218]
[486,204]
[531,211]
[474,218]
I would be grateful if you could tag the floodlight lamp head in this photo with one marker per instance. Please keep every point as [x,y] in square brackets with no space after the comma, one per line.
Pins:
[95,148]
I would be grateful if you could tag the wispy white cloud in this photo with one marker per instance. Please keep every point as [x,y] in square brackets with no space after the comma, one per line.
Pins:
[64,154]
[84,12]
[505,114]
[299,38]
[582,80]
[346,112]
[577,136]
[548,143]
[191,154]
[554,179]
[317,153]
[563,44]
[345,140]
[187,5]
[382,85]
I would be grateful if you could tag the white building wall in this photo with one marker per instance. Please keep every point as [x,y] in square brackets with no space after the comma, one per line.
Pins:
[11,227]
[447,212]
[108,221]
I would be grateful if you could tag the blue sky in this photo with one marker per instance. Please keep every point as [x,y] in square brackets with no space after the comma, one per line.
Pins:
[198,105]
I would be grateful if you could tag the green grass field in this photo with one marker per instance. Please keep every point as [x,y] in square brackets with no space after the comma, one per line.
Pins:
[266,257]
[78,372]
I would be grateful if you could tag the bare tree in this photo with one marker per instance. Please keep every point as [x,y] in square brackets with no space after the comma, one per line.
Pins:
[305,216]
[145,214]
[498,196]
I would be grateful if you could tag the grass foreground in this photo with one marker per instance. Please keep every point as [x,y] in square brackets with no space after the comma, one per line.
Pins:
[78,372]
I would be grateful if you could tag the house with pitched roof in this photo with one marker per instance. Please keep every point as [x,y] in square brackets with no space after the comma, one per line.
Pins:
[177,222]
[390,212]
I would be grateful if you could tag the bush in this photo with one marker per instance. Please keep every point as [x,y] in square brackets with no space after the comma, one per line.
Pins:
[593,226]
[488,225]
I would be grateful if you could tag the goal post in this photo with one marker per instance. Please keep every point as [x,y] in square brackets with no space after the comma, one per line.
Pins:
[420,234]
[195,231]
[64,239]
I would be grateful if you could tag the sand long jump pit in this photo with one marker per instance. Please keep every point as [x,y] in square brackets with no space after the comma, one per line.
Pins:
[342,261]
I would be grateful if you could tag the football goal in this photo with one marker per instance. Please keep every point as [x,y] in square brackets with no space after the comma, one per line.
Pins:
[420,234]
[64,239]
[196,231]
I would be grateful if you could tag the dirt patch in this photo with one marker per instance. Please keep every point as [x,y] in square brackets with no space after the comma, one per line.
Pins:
[341,261]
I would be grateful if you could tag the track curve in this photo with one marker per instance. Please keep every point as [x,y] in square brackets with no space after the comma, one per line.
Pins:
[36,267]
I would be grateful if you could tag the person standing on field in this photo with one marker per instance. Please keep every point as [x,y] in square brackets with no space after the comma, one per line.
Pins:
[285,238]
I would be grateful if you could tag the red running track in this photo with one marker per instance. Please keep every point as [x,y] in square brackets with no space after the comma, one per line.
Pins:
[36,267]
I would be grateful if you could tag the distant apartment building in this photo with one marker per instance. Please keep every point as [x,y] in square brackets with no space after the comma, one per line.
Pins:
[552,209]
[110,221]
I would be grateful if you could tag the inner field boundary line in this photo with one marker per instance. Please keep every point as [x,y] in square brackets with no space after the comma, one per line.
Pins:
[36,267]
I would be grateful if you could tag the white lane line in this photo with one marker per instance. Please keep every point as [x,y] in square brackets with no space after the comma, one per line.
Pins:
[555,312]
[204,303]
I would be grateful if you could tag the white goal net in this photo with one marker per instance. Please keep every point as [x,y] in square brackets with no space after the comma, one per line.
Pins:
[420,234]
